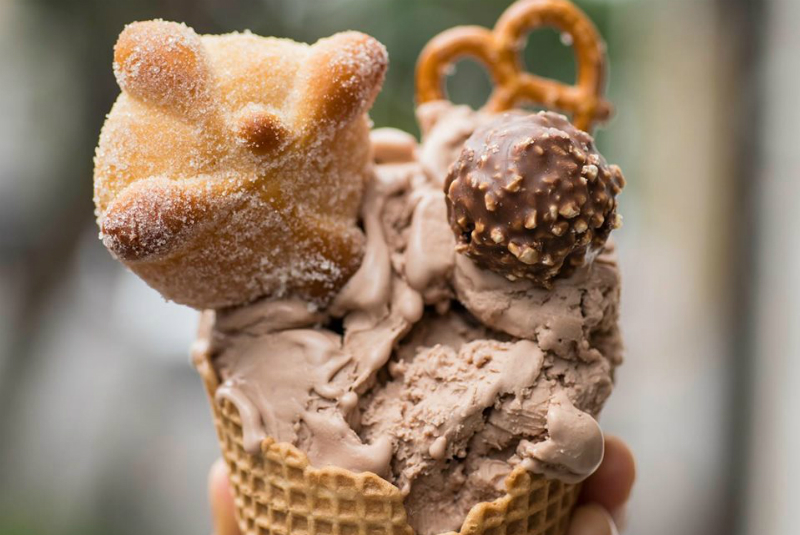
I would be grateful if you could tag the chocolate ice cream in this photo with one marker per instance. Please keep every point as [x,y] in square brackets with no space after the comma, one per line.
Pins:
[428,370]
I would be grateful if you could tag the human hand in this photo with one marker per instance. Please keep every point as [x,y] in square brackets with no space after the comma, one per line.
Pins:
[605,493]
[601,509]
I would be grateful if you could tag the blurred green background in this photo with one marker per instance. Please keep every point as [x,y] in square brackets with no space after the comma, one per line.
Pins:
[104,427]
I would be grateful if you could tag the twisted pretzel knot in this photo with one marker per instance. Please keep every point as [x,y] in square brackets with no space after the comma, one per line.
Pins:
[500,51]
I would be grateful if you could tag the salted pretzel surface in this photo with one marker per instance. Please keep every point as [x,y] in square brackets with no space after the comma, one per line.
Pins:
[500,51]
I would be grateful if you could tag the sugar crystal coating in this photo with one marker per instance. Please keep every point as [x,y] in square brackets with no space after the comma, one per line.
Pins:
[232,167]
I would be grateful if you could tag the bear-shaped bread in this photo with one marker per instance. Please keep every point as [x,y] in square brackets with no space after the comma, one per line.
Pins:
[232,167]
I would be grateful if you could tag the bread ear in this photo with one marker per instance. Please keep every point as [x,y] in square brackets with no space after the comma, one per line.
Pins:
[162,63]
[340,79]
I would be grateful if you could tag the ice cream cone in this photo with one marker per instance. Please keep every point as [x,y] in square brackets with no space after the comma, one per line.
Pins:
[278,491]
[423,325]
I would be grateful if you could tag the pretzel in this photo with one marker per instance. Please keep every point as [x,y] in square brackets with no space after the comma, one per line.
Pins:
[500,51]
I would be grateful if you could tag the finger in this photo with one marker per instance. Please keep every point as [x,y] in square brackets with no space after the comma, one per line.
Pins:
[620,517]
[610,486]
[591,520]
[221,498]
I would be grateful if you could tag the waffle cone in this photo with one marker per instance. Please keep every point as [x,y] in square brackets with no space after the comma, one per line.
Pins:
[277,491]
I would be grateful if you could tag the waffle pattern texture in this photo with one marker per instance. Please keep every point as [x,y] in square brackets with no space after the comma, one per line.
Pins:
[277,492]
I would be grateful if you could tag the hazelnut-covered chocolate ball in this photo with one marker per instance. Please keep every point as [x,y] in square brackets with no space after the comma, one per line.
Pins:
[530,197]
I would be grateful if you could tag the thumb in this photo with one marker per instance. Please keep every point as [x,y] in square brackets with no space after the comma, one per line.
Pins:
[591,520]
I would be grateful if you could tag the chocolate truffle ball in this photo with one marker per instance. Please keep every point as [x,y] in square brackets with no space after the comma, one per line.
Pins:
[530,197]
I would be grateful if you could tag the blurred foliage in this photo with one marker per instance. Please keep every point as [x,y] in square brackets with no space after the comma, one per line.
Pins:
[404,26]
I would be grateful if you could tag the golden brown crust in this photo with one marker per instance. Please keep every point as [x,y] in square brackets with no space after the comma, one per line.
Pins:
[161,62]
[262,131]
[499,50]
[232,167]
[341,77]
[148,217]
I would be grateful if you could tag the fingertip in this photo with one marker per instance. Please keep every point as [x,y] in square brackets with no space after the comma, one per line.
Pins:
[622,459]
[218,481]
[591,519]
[620,517]
[610,486]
